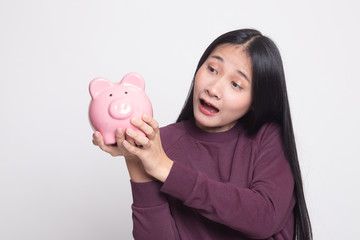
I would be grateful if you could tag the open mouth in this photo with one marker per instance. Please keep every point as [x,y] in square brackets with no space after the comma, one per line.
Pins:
[208,106]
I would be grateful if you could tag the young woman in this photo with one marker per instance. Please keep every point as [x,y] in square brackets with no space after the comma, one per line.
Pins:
[228,168]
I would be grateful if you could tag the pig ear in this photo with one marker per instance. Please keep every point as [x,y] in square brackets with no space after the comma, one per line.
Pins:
[134,79]
[98,85]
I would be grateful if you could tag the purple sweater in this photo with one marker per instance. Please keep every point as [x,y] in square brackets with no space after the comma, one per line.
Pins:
[222,186]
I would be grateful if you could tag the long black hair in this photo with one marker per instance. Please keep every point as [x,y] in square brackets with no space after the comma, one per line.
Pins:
[269,104]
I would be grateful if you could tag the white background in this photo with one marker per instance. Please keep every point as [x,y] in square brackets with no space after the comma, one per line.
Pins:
[54,184]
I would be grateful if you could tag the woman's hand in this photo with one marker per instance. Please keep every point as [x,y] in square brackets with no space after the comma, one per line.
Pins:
[115,149]
[148,148]
[135,168]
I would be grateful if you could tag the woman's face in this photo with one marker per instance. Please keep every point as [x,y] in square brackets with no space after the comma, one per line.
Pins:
[222,89]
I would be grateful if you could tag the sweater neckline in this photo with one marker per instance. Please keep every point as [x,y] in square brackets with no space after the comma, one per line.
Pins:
[205,136]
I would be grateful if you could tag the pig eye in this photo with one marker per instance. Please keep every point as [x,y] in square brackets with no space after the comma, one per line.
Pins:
[110,95]
[126,92]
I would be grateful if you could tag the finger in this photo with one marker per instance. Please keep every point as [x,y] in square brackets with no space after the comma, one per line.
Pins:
[96,138]
[144,127]
[119,136]
[147,124]
[151,122]
[131,149]
[99,141]
[130,140]
[139,139]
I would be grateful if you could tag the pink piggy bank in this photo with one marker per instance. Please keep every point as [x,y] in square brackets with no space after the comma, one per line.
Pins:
[114,104]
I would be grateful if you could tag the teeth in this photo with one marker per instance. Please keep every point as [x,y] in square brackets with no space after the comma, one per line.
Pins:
[211,108]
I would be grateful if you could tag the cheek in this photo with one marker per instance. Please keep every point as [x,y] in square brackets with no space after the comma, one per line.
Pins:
[201,76]
[198,84]
[240,104]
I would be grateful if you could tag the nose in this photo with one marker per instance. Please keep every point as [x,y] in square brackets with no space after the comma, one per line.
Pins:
[215,88]
[121,109]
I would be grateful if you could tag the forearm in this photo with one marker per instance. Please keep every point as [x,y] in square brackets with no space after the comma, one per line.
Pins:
[152,218]
[162,169]
[255,212]
[136,170]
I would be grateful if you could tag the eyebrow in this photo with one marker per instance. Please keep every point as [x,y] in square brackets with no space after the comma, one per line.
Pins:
[238,71]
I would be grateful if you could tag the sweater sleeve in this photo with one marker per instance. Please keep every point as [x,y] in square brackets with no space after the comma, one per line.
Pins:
[259,210]
[151,215]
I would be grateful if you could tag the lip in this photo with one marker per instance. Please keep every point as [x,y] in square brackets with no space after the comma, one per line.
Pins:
[206,111]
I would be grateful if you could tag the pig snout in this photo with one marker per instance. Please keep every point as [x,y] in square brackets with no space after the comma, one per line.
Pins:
[121,109]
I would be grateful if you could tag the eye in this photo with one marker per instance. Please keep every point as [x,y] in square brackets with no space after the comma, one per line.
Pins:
[234,84]
[126,92]
[211,69]
[110,94]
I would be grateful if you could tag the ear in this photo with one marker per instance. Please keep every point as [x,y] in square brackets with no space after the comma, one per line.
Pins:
[134,79]
[98,85]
